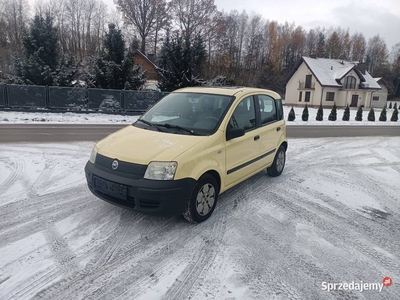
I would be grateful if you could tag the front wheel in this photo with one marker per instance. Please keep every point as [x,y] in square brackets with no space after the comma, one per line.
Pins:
[202,200]
[278,165]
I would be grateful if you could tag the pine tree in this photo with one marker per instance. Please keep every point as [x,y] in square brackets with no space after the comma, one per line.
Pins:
[333,114]
[395,115]
[383,117]
[395,105]
[43,64]
[346,114]
[181,63]
[305,114]
[371,115]
[114,67]
[292,115]
[320,114]
[390,105]
[359,115]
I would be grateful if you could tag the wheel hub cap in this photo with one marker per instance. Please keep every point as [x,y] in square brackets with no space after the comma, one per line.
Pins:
[205,199]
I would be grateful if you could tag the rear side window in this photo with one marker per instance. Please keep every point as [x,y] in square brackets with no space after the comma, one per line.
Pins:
[268,109]
[279,109]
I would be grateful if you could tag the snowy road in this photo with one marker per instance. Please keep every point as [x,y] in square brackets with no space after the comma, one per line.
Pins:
[14,133]
[333,216]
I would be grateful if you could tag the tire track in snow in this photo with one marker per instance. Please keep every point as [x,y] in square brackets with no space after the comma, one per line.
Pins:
[200,263]
[17,166]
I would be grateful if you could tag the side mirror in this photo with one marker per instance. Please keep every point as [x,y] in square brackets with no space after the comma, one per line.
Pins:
[234,133]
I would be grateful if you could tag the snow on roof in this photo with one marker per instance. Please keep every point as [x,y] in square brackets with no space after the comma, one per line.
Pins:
[329,71]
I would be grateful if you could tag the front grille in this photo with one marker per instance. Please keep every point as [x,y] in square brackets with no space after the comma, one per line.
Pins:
[123,167]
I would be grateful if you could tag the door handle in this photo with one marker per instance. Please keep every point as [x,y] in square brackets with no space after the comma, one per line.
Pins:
[278,128]
[257,137]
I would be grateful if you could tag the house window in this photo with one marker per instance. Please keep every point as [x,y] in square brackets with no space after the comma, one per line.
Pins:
[308,82]
[307,97]
[350,82]
[330,96]
[375,98]
[300,96]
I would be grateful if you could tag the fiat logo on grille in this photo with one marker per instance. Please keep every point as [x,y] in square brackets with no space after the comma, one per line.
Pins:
[114,165]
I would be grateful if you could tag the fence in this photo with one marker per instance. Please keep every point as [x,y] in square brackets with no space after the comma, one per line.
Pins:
[76,99]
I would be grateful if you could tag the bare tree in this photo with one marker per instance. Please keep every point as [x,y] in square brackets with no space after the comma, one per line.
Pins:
[190,15]
[15,18]
[358,47]
[334,46]
[144,15]
[377,55]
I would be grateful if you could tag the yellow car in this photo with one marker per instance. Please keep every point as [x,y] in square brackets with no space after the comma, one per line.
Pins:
[190,147]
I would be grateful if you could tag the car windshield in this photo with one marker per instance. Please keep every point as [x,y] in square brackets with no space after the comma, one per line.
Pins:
[187,113]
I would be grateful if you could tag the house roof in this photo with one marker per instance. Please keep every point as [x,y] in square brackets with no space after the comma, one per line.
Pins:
[145,57]
[382,81]
[329,72]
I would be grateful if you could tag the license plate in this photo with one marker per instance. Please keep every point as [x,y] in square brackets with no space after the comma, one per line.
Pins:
[110,188]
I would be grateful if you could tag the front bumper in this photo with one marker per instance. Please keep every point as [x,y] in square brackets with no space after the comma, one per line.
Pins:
[163,198]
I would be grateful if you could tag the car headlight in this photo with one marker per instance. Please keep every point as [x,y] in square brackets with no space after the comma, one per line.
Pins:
[93,154]
[157,170]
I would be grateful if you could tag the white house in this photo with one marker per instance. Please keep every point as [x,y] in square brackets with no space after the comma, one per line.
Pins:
[326,81]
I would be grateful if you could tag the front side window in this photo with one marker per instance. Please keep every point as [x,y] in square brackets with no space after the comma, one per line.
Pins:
[350,82]
[244,115]
[186,113]
[268,110]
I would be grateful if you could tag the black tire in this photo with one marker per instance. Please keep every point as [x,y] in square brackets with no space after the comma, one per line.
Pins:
[278,165]
[207,190]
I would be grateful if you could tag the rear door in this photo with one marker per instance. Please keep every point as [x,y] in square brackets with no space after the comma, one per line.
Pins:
[272,127]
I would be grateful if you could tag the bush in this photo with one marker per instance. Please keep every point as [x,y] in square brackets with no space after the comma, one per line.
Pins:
[359,115]
[383,117]
[292,115]
[305,114]
[333,114]
[320,114]
[395,115]
[371,115]
[346,114]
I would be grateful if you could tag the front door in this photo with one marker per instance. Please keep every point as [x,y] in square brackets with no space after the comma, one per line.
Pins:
[242,153]
[354,101]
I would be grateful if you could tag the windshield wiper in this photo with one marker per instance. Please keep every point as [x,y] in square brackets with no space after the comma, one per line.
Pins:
[166,125]
[150,124]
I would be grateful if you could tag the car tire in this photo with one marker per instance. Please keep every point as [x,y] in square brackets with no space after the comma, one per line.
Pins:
[202,200]
[278,165]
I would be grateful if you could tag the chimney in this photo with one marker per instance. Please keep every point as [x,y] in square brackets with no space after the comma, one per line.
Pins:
[362,66]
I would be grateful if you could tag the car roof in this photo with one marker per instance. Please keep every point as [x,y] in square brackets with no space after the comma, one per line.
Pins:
[227,90]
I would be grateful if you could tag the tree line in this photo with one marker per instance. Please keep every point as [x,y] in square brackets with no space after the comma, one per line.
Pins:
[240,47]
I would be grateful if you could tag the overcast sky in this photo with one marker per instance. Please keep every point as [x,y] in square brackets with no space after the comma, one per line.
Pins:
[370,17]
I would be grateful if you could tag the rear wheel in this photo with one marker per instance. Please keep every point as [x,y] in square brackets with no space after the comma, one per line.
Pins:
[202,200]
[278,165]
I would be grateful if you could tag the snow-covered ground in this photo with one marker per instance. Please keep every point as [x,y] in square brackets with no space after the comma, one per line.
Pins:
[333,216]
[97,118]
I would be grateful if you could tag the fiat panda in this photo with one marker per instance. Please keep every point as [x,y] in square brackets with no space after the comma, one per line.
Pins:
[190,147]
